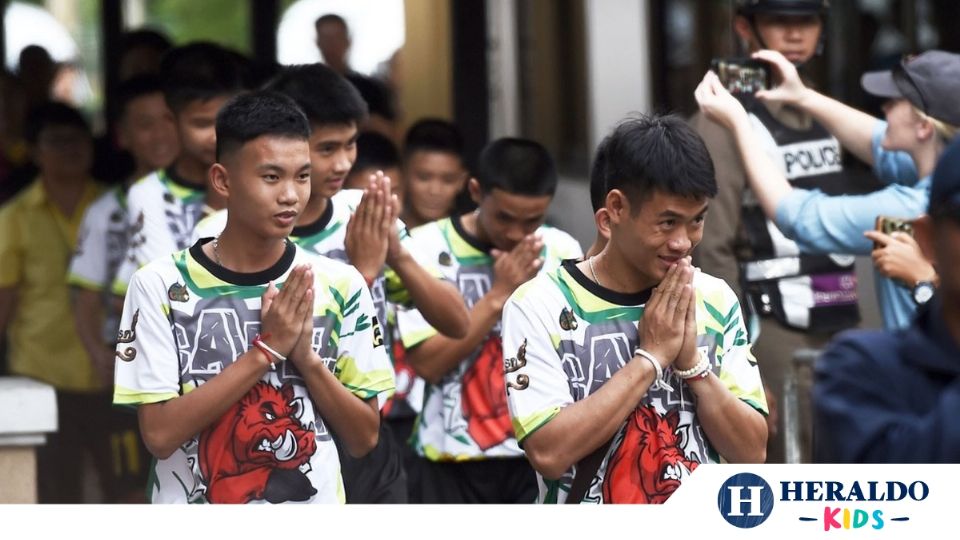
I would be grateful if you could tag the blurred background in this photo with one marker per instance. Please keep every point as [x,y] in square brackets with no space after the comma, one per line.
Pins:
[558,71]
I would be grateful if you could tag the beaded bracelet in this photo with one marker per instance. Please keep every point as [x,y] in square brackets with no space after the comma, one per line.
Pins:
[697,371]
[658,381]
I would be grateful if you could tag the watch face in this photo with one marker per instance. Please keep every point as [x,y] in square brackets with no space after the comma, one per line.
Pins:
[923,292]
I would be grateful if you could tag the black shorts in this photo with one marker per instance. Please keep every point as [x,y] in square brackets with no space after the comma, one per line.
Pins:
[379,476]
[491,481]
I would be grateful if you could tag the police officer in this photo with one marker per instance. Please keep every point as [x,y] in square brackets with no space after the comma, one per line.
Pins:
[793,300]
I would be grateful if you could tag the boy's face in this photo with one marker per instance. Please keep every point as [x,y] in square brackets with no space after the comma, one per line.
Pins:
[662,231]
[433,180]
[267,184]
[148,132]
[794,36]
[64,151]
[504,219]
[197,129]
[333,149]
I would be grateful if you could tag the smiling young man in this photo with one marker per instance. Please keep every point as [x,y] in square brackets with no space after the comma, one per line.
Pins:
[360,228]
[433,171]
[146,130]
[468,450]
[627,370]
[164,206]
[239,400]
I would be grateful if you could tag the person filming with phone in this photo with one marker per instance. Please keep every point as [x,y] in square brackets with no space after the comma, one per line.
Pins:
[922,115]
[775,279]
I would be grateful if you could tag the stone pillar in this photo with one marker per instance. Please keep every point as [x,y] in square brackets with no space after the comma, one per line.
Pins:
[28,411]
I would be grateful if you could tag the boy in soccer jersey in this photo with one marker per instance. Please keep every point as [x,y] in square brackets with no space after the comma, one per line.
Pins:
[239,385]
[627,370]
[433,171]
[469,453]
[146,129]
[359,227]
[164,206]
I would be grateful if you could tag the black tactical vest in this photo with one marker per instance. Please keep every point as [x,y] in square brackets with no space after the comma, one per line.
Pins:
[814,293]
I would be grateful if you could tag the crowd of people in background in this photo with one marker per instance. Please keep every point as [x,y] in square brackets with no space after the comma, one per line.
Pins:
[253,287]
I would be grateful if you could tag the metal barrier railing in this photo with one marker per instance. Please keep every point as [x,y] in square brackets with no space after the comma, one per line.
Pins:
[792,415]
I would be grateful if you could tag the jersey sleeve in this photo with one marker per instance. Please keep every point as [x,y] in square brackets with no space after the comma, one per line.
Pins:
[569,248]
[128,264]
[209,227]
[411,325]
[89,264]
[738,367]
[362,363]
[147,360]
[537,387]
[149,238]
[396,291]
[11,249]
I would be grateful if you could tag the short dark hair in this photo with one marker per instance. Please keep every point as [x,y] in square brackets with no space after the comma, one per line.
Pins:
[325,97]
[598,181]
[133,88]
[517,166]
[330,17]
[144,38]
[433,135]
[200,71]
[252,115]
[49,114]
[644,154]
[375,150]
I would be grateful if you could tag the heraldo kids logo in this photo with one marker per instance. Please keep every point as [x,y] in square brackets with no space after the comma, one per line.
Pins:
[746,500]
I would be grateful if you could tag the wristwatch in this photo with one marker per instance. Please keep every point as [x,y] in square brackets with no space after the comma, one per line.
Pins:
[923,292]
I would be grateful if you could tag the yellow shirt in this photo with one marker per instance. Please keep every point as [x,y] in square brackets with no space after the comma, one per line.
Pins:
[36,242]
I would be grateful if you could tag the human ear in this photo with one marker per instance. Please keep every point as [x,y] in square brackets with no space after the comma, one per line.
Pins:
[476,194]
[219,179]
[617,205]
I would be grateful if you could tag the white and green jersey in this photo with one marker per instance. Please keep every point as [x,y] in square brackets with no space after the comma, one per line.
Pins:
[162,210]
[465,416]
[101,246]
[565,336]
[327,237]
[185,319]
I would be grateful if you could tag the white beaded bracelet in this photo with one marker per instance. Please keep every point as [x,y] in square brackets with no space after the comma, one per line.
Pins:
[702,365]
[658,381]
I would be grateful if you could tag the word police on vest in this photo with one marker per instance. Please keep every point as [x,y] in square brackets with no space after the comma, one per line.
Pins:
[812,157]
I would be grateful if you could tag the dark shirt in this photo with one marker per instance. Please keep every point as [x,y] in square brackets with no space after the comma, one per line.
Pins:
[890,396]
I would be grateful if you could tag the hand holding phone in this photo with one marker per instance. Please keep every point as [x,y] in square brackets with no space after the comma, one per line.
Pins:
[889,225]
[742,76]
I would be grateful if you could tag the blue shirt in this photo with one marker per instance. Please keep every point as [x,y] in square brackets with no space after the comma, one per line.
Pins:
[890,396]
[819,223]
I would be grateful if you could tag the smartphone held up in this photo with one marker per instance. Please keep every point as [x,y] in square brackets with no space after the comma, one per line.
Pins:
[742,76]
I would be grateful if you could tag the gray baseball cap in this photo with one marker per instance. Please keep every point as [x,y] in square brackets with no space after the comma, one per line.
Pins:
[930,81]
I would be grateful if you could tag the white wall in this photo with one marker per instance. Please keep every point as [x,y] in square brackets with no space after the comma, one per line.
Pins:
[618,62]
